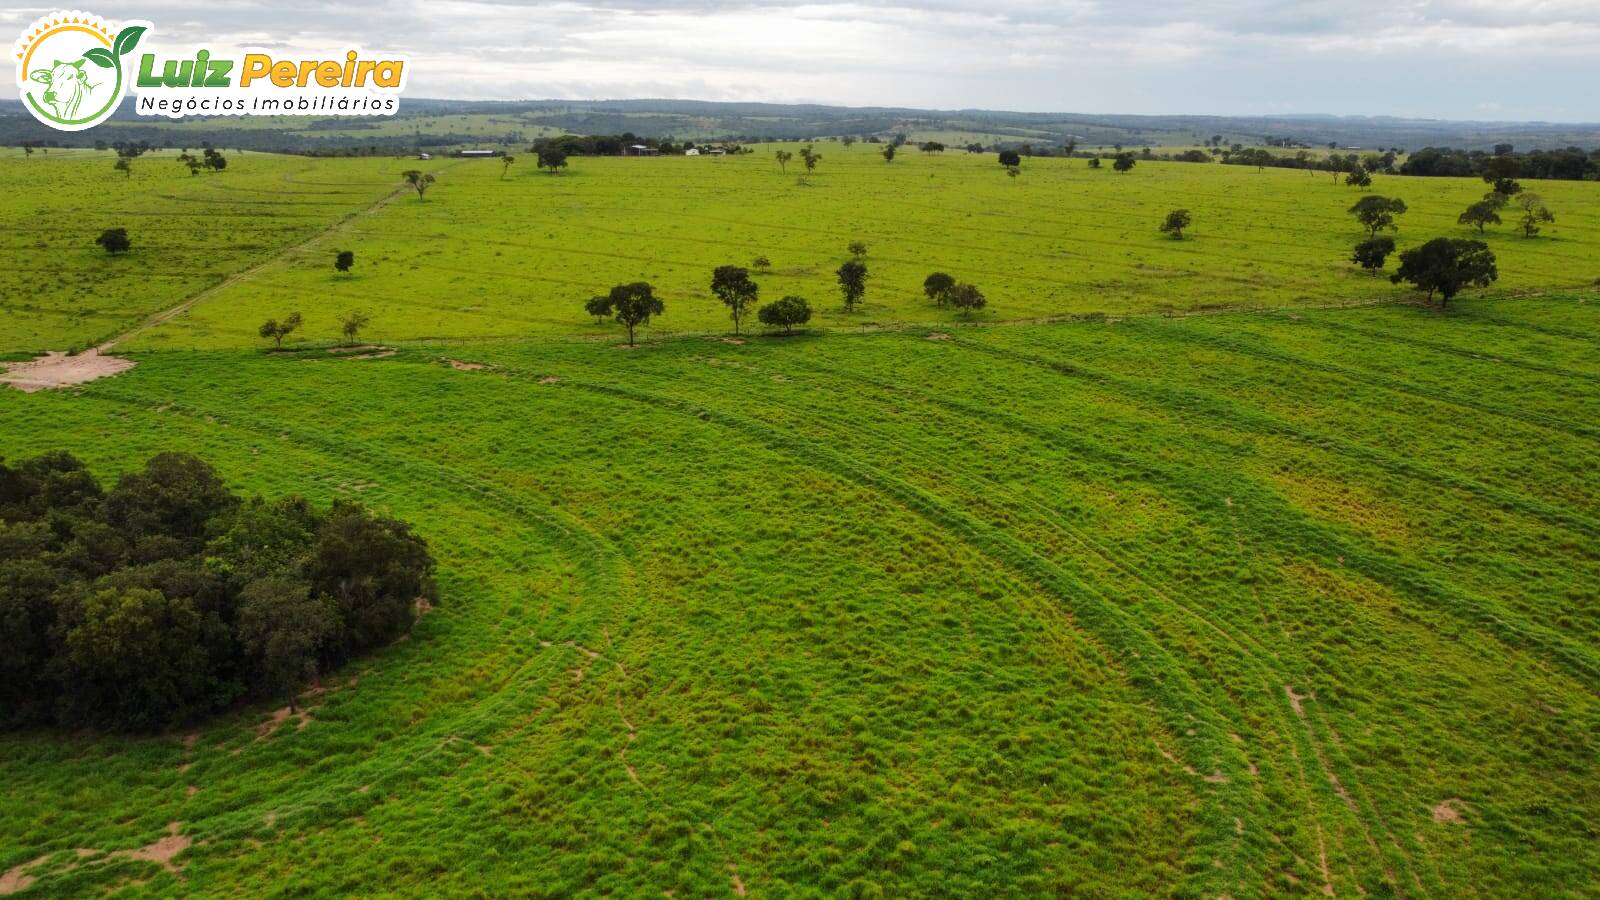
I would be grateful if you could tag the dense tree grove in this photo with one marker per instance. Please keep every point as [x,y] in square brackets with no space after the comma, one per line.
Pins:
[1570,164]
[168,597]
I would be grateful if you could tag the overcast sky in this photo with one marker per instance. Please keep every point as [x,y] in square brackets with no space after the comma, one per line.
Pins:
[1454,59]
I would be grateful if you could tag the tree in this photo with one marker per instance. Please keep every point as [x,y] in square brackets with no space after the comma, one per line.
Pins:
[132,658]
[282,630]
[937,287]
[114,240]
[733,287]
[1377,213]
[783,160]
[505,164]
[1533,213]
[932,147]
[809,157]
[888,153]
[1124,162]
[634,304]
[1094,162]
[276,331]
[598,306]
[1484,212]
[351,324]
[847,140]
[858,249]
[1176,222]
[343,260]
[1069,147]
[1359,178]
[761,264]
[785,313]
[374,570]
[967,298]
[124,166]
[852,282]
[1372,253]
[1009,158]
[419,181]
[214,160]
[1445,266]
[552,158]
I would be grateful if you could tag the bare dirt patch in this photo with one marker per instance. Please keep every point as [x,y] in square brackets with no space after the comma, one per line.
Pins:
[162,851]
[550,379]
[354,348]
[58,370]
[461,366]
[279,716]
[938,336]
[377,354]
[16,878]
[1446,812]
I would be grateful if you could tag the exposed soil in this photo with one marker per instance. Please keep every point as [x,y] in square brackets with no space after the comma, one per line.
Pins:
[378,354]
[938,336]
[460,366]
[16,878]
[550,379]
[1446,812]
[58,370]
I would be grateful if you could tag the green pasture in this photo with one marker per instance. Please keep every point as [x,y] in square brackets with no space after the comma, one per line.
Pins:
[1277,602]
[513,253]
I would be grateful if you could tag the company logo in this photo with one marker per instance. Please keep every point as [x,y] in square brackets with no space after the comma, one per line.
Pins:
[73,69]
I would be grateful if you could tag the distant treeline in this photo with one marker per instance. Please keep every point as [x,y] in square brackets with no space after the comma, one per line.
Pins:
[1569,164]
[615,144]
[168,597]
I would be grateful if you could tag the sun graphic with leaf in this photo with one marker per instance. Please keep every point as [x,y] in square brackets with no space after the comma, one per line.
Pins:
[70,68]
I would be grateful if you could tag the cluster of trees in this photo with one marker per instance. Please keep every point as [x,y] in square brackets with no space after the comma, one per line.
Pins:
[168,597]
[351,325]
[1570,164]
[210,158]
[1442,266]
[944,290]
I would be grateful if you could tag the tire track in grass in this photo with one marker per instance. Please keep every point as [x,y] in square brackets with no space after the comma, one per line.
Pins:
[1441,347]
[1167,681]
[1256,655]
[595,547]
[1184,333]
[1509,627]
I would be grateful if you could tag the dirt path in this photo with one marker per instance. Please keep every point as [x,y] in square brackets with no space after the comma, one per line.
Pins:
[58,370]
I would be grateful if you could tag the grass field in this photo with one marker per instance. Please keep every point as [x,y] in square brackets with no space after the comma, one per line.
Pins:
[485,255]
[1298,600]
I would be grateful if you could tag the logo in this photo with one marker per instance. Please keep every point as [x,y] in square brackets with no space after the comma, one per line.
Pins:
[72,68]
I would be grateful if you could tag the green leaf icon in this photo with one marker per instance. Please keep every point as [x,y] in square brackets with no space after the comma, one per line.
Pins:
[100,56]
[127,38]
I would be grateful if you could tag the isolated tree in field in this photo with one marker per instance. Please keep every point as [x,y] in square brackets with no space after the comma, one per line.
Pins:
[1484,212]
[1068,148]
[937,287]
[1009,158]
[634,304]
[761,264]
[1094,162]
[1372,253]
[351,323]
[552,159]
[1500,173]
[114,240]
[858,249]
[1445,266]
[1359,178]
[1123,163]
[888,153]
[188,159]
[1534,212]
[1377,213]
[974,147]
[344,260]
[852,282]
[281,630]
[505,164]
[598,306]
[419,181]
[783,157]
[932,147]
[276,331]
[967,298]
[785,313]
[810,157]
[214,160]
[124,166]
[1175,223]
[733,287]
[847,140]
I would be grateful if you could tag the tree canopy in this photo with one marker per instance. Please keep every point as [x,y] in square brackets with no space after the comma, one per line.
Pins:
[1444,266]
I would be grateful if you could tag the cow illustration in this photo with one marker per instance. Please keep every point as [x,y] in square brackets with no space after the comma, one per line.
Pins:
[66,86]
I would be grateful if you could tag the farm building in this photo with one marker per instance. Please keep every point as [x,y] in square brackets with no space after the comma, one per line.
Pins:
[640,150]
[480,154]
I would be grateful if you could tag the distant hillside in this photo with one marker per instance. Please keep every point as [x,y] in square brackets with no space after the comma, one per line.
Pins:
[427,123]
